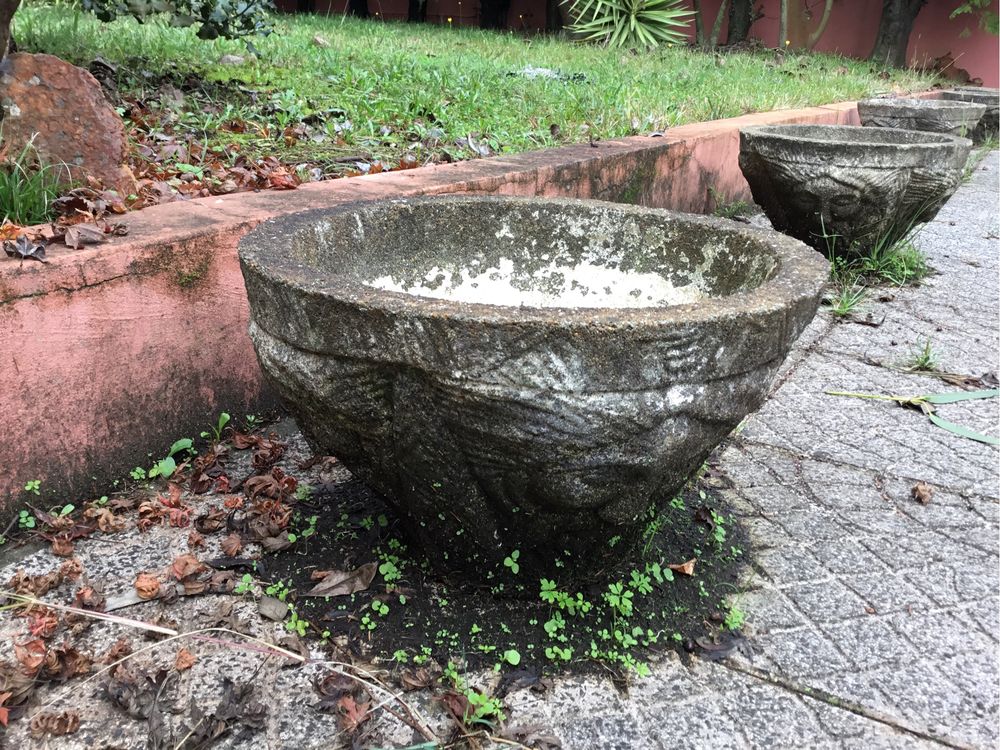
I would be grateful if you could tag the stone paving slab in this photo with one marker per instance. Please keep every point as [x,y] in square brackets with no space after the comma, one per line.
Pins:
[874,620]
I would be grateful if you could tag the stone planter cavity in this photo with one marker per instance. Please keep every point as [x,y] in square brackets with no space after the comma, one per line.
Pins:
[394,332]
[989,125]
[930,115]
[841,189]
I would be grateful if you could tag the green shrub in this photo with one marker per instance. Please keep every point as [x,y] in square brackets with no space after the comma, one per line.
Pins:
[229,19]
[634,24]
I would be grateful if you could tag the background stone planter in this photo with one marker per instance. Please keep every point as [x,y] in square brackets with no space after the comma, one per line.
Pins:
[989,125]
[496,428]
[930,115]
[835,187]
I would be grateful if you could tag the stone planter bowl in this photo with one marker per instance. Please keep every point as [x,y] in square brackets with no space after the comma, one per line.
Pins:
[854,184]
[497,427]
[930,115]
[989,125]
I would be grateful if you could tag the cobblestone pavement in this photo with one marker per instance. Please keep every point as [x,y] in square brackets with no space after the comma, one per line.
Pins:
[874,619]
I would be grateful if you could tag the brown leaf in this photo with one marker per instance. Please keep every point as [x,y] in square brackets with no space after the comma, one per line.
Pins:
[56,724]
[65,661]
[84,234]
[420,677]
[88,597]
[121,649]
[195,540]
[922,492]
[71,569]
[106,521]
[38,585]
[685,568]
[186,565]
[62,546]
[352,713]
[147,586]
[232,545]
[210,522]
[30,655]
[185,660]
[43,623]
[339,583]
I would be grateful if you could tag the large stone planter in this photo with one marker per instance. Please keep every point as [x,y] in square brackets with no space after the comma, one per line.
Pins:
[989,125]
[841,188]
[496,427]
[930,115]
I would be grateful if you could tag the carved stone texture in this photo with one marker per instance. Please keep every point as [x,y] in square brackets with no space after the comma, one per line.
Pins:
[930,115]
[989,125]
[64,110]
[841,188]
[494,428]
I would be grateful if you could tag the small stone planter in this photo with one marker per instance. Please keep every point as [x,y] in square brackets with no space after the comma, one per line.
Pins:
[930,115]
[548,430]
[989,125]
[841,189]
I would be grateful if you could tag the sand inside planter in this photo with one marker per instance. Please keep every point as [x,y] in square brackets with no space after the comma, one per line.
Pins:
[583,284]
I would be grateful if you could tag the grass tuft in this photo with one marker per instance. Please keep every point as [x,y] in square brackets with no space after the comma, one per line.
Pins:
[27,188]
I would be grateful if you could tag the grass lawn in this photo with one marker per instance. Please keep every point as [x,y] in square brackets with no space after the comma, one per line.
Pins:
[383,95]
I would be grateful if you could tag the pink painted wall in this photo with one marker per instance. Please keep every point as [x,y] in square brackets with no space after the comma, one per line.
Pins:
[854,24]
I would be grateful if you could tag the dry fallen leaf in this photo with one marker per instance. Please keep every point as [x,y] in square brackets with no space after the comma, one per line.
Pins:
[186,565]
[62,546]
[232,545]
[339,583]
[56,724]
[685,568]
[922,492]
[147,586]
[185,660]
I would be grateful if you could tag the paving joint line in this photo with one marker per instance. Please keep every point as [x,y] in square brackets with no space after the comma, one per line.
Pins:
[801,689]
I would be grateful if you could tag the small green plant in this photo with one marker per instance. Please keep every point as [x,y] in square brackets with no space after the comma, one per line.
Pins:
[295,624]
[845,300]
[735,618]
[511,562]
[65,510]
[138,474]
[25,520]
[381,608]
[619,598]
[215,432]
[34,486]
[512,657]
[923,359]
[718,528]
[165,467]
[244,585]
[728,209]
[558,653]
[641,582]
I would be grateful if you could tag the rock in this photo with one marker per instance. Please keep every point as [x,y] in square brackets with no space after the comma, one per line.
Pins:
[930,115]
[842,188]
[232,60]
[493,427]
[65,106]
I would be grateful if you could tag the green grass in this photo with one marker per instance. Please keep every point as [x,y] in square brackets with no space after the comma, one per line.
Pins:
[415,87]
[26,188]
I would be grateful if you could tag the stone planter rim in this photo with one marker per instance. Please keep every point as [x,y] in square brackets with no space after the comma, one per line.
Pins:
[921,104]
[798,271]
[880,141]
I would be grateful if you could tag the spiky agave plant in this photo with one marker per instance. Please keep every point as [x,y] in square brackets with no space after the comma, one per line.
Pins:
[643,24]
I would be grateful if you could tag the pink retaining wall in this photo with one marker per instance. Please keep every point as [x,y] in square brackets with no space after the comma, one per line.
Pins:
[853,26]
[113,351]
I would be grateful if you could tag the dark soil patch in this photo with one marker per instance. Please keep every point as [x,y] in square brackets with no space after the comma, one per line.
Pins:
[419,616]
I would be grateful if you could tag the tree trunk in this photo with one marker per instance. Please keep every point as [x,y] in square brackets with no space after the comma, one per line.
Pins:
[814,37]
[493,14]
[894,31]
[783,24]
[713,40]
[740,20]
[699,24]
[7,8]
